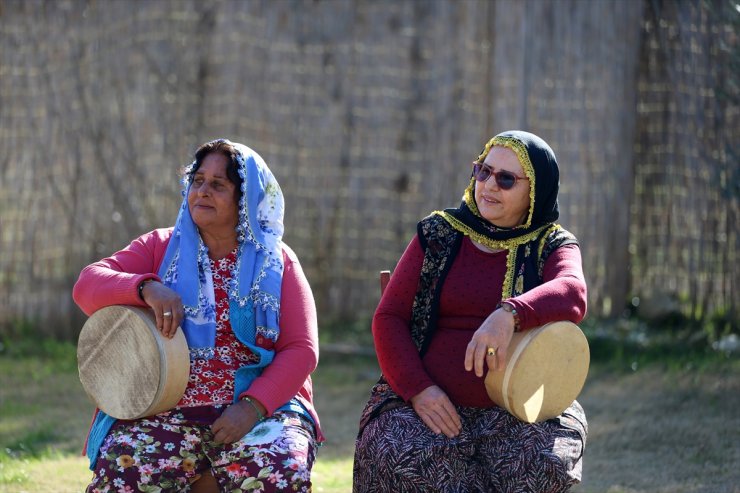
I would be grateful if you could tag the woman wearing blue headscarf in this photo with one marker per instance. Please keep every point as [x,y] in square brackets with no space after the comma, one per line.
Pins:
[470,277]
[223,275]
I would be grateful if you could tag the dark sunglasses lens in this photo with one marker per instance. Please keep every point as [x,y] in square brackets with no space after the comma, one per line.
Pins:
[505,180]
[480,172]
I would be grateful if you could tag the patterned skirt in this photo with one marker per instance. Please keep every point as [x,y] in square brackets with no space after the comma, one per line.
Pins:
[169,451]
[495,452]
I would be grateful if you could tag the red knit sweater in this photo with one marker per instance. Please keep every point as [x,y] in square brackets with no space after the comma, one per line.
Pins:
[470,293]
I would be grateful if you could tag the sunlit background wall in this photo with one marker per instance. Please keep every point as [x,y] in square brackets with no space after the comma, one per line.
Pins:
[369,113]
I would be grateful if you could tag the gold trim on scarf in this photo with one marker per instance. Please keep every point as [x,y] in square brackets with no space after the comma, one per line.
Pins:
[507,290]
[521,153]
[484,240]
[509,245]
[543,242]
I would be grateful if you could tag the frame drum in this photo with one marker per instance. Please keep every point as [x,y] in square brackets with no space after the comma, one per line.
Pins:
[545,371]
[128,369]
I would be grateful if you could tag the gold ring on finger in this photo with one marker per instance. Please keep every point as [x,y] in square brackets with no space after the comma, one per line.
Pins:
[491,351]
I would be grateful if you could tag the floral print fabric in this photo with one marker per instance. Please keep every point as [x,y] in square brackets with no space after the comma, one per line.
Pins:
[170,451]
[212,380]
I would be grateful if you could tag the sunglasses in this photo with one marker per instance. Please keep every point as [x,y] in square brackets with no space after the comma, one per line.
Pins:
[504,179]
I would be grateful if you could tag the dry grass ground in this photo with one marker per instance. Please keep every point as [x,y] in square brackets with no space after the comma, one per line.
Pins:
[653,430]
[662,432]
[650,431]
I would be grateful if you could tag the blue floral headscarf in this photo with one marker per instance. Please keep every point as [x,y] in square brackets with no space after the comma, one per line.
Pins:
[254,292]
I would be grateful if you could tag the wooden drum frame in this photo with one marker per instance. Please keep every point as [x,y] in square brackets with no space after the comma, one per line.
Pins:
[127,367]
[546,368]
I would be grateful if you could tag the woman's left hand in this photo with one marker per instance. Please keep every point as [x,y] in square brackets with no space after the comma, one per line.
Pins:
[236,421]
[495,332]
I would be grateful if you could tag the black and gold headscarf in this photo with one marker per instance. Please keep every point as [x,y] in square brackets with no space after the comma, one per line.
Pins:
[541,167]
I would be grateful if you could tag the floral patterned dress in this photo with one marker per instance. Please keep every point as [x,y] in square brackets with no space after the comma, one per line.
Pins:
[170,451]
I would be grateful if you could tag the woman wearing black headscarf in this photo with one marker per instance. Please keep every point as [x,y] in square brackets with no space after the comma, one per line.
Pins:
[470,278]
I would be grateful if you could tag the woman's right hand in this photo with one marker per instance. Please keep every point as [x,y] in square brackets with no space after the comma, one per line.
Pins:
[437,411]
[164,300]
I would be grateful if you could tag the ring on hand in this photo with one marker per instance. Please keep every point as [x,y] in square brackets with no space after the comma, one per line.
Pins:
[167,314]
[491,351]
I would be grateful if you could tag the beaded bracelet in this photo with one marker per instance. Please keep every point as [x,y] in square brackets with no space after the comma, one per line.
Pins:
[260,416]
[508,307]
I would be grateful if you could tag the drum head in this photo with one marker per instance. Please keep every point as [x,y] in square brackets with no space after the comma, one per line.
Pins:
[127,367]
[546,369]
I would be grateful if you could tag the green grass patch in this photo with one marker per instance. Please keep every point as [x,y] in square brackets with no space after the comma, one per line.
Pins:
[626,345]
[60,473]
[333,475]
[356,332]
[35,443]
[45,412]
[52,471]
[45,416]
[54,356]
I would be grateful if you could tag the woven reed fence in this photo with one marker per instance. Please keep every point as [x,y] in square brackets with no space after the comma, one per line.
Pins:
[368,113]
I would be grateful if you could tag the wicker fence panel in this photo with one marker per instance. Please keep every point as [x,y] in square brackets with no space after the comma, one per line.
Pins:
[368,113]
[684,221]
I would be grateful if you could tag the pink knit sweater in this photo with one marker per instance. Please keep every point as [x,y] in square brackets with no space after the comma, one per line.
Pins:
[114,281]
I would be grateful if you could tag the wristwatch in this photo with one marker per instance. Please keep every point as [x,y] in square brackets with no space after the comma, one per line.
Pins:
[141,287]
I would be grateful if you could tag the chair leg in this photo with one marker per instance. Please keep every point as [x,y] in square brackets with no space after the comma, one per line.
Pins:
[385,276]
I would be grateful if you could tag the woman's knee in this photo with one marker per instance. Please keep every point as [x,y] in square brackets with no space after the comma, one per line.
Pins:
[284,474]
[282,464]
